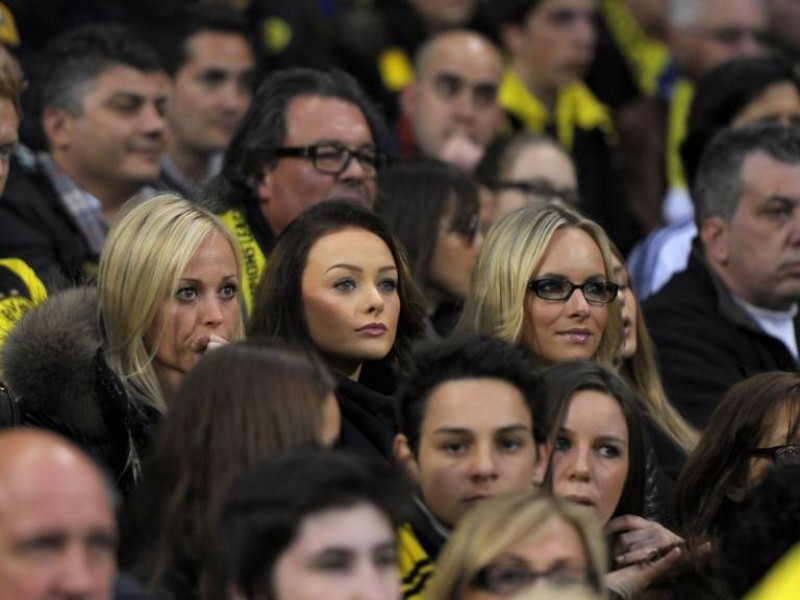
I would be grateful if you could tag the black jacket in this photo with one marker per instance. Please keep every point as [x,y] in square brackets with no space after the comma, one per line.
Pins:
[706,342]
[367,420]
[35,226]
[54,365]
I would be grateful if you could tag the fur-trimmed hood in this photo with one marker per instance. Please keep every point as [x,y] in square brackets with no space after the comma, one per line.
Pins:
[48,360]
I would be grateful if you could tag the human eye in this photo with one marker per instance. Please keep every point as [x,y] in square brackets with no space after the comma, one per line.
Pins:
[510,443]
[388,285]
[485,95]
[448,86]
[186,293]
[126,103]
[562,17]
[228,291]
[386,557]
[554,287]
[607,450]
[212,78]
[779,210]
[454,447]
[345,285]
[329,152]
[561,444]
[333,562]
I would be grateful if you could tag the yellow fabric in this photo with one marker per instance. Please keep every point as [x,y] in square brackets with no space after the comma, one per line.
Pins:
[679,107]
[783,581]
[395,67]
[576,108]
[15,303]
[416,567]
[646,57]
[9,35]
[253,258]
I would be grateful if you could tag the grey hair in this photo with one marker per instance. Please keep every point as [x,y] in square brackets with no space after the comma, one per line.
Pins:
[688,14]
[718,187]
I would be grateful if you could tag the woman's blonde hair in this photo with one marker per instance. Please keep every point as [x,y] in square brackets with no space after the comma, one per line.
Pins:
[145,254]
[512,252]
[641,371]
[495,525]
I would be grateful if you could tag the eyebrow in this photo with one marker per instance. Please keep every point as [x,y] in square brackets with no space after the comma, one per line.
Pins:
[195,280]
[602,438]
[465,431]
[359,269]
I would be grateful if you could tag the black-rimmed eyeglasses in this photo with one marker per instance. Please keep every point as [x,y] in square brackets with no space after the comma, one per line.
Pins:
[598,291]
[333,159]
[539,188]
[786,454]
[507,579]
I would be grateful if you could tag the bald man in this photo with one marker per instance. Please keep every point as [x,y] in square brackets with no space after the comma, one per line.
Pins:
[452,104]
[58,535]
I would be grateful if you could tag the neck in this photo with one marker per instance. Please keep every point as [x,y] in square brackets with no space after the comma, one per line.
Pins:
[544,93]
[192,163]
[111,194]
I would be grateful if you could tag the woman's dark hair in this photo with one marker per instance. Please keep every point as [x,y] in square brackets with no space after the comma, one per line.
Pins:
[721,95]
[414,195]
[278,310]
[266,507]
[718,468]
[561,383]
[242,403]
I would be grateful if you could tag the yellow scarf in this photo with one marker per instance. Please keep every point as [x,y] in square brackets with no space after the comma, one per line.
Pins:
[646,57]
[576,108]
[679,107]
[253,259]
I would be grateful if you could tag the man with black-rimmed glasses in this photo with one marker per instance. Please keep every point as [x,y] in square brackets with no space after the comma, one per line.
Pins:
[308,136]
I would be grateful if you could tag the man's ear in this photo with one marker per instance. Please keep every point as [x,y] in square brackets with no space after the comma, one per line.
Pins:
[540,471]
[715,234]
[511,35]
[405,457]
[408,99]
[57,124]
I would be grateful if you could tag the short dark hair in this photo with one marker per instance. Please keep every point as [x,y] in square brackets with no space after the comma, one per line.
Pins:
[263,128]
[180,23]
[718,187]
[266,507]
[722,94]
[72,61]
[414,194]
[561,383]
[467,356]
[278,310]
[511,11]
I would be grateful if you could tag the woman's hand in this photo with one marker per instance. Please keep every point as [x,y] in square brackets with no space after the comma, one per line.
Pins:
[645,550]
[639,540]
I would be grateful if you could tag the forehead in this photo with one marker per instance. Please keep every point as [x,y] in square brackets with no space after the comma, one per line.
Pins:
[596,413]
[209,46]
[463,54]
[343,527]
[548,6]
[352,245]
[765,177]
[475,404]
[312,119]
[572,251]
[120,79]
[751,13]
[554,540]
[54,500]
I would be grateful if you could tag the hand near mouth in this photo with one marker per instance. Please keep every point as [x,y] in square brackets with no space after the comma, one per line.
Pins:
[205,343]
[640,540]
[460,150]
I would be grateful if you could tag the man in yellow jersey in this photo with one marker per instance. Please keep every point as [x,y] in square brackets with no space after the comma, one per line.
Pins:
[308,136]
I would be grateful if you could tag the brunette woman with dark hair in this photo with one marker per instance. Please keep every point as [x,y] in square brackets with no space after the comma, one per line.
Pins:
[599,460]
[338,286]
[240,404]
[433,208]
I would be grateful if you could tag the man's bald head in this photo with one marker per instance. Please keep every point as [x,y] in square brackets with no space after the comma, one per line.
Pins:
[57,527]
[453,102]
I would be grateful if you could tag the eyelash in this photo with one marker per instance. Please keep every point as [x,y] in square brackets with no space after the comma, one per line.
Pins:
[188,293]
